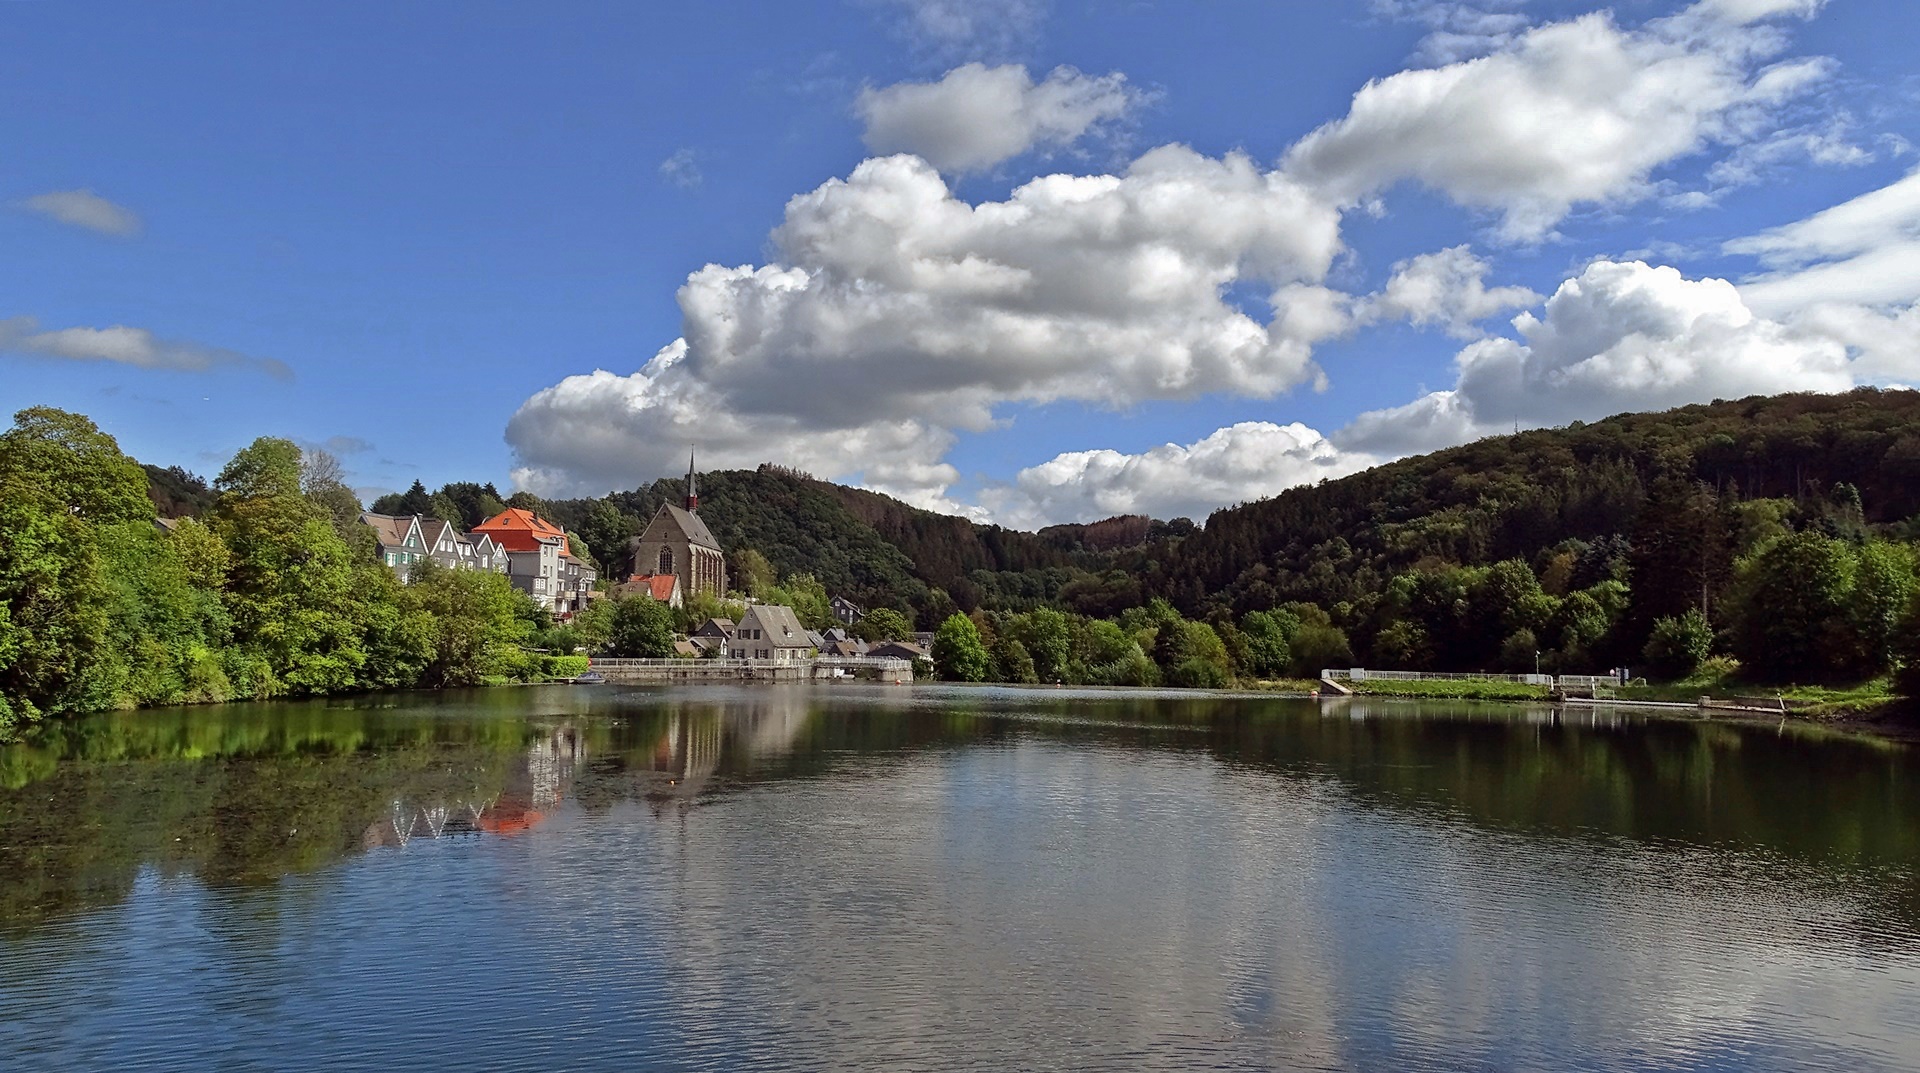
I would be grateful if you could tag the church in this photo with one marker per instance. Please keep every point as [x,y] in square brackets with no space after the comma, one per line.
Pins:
[677,542]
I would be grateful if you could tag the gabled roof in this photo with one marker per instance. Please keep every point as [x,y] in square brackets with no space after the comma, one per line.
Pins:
[781,626]
[391,529]
[658,586]
[715,627]
[431,530]
[521,530]
[691,526]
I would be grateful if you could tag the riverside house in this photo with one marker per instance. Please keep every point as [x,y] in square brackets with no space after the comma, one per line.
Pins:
[539,562]
[404,540]
[769,631]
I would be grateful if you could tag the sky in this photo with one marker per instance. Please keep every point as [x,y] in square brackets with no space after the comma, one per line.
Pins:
[1033,261]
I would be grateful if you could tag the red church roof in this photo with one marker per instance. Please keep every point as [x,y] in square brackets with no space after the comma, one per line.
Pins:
[521,530]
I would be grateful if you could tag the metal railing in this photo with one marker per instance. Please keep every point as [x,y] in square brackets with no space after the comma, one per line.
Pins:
[1564,681]
[621,663]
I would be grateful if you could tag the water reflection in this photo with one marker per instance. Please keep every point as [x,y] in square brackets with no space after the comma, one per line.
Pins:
[876,878]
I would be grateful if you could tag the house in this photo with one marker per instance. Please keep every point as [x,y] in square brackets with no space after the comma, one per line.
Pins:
[406,539]
[676,541]
[539,561]
[770,631]
[896,650]
[398,539]
[844,646]
[846,610]
[719,629]
[662,587]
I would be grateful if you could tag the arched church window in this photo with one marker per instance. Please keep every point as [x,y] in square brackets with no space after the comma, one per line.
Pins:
[666,560]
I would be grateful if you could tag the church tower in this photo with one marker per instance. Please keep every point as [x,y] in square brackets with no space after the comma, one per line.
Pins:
[677,542]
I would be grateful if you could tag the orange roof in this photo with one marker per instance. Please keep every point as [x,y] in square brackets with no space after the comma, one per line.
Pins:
[659,586]
[521,530]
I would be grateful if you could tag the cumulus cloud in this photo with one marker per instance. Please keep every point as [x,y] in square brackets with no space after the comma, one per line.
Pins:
[1447,288]
[1566,114]
[1242,462]
[1619,337]
[84,208]
[896,313]
[978,116]
[127,346]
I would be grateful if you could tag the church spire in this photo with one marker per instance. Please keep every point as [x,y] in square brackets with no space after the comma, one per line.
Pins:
[693,489]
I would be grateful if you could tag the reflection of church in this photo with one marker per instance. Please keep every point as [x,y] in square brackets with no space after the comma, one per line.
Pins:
[678,543]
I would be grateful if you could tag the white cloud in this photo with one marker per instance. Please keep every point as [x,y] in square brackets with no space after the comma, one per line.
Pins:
[1567,114]
[127,346]
[978,116]
[1242,462]
[84,208]
[1446,288]
[969,28]
[1619,337]
[1865,251]
[682,169]
[896,314]
[1828,145]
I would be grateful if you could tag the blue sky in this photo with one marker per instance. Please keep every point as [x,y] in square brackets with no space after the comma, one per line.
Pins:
[1034,261]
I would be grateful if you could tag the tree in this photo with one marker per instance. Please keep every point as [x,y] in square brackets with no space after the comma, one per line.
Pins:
[64,487]
[290,585]
[1048,637]
[640,628]
[1678,645]
[1884,587]
[752,573]
[882,624]
[1267,633]
[1791,612]
[958,654]
[476,624]
[606,531]
[1191,654]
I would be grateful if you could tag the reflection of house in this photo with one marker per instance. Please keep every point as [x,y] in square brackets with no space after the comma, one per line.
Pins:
[662,587]
[846,610]
[769,631]
[538,559]
[676,541]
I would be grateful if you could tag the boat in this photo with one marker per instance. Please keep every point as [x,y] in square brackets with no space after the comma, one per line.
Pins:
[591,678]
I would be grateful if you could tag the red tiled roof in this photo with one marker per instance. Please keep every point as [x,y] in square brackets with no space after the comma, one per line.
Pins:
[659,586]
[521,530]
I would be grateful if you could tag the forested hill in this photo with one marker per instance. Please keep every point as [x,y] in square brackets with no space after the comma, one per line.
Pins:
[1590,491]
[1669,500]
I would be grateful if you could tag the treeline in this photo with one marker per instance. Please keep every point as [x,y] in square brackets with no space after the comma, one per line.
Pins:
[275,590]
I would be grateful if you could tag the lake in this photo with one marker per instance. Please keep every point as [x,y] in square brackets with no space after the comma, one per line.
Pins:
[869,877]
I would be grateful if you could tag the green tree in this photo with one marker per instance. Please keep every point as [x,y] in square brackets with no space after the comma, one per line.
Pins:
[958,654]
[1048,637]
[640,628]
[477,624]
[1269,653]
[290,584]
[1791,611]
[1884,587]
[882,624]
[751,572]
[1678,645]
[64,487]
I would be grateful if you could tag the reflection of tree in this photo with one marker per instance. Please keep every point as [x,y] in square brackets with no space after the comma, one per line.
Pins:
[244,794]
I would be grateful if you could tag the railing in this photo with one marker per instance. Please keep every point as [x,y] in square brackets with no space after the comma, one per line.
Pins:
[1565,681]
[619,663]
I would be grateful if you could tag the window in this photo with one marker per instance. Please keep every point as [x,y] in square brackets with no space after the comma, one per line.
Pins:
[666,560]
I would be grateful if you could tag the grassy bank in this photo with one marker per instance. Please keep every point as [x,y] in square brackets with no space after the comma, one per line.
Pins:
[1449,689]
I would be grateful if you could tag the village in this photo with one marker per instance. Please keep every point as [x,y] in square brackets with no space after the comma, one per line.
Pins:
[673,560]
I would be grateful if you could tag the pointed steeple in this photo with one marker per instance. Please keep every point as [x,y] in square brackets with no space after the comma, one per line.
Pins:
[693,489]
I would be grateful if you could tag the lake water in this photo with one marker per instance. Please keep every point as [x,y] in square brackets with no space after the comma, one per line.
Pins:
[927,878]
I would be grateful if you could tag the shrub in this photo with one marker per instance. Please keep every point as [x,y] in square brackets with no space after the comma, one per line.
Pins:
[1677,646]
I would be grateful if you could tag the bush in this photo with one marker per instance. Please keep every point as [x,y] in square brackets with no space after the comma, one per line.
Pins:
[563,666]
